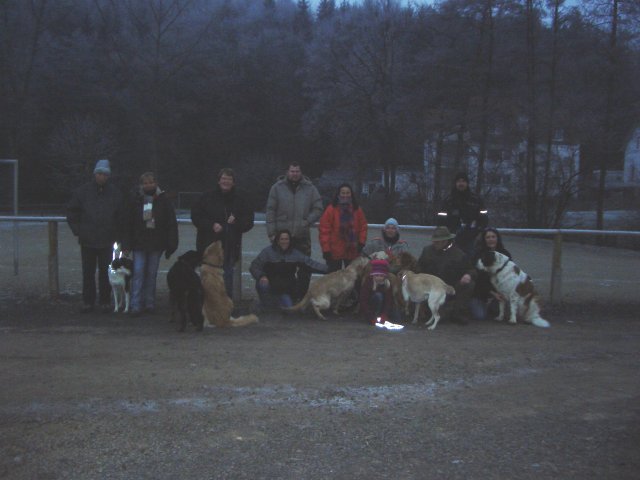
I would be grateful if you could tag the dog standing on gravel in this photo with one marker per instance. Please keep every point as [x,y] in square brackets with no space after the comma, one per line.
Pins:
[331,289]
[217,306]
[418,287]
[185,290]
[515,286]
[120,271]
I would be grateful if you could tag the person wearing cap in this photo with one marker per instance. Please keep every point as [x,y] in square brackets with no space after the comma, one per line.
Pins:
[294,204]
[463,213]
[445,260]
[376,295]
[276,271]
[96,215]
[389,242]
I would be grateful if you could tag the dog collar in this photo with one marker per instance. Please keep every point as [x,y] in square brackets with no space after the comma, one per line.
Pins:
[503,265]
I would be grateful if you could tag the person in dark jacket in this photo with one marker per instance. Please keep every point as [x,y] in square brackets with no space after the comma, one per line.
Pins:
[463,213]
[96,216]
[154,229]
[223,214]
[445,260]
[277,269]
[484,294]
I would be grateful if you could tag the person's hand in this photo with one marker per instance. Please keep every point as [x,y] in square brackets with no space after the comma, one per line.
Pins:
[498,296]
[466,278]
[231,219]
[327,256]
[217,227]
[264,281]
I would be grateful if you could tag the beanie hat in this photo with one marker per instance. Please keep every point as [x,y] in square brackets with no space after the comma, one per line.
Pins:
[379,267]
[461,175]
[391,221]
[102,166]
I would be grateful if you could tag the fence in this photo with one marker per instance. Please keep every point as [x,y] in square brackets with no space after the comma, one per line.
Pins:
[556,276]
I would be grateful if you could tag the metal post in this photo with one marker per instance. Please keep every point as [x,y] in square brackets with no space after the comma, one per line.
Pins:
[555,295]
[54,285]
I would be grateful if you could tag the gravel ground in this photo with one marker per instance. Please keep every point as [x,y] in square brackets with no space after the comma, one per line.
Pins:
[103,396]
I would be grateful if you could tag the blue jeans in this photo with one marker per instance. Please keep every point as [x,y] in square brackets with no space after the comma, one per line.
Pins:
[268,299]
[143,284]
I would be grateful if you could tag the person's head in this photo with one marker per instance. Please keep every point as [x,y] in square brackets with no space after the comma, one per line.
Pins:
[294,172]
[491,239]
[379,271]
[226,179]
[148,182]
[282,239]
[345,195]
[102,172]
[391,228]
[441,238]
[461,182]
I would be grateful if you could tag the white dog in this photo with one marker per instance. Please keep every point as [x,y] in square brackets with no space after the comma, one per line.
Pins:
[515,286]
[120,271]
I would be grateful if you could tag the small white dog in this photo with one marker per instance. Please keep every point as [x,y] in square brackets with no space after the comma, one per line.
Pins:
[515,286]
[120,271]
[418,287]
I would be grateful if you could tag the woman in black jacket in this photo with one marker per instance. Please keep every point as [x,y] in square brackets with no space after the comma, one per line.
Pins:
[484,295]
[154,229]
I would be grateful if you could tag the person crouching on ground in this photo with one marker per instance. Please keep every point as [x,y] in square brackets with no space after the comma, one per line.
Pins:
[376,296]
[277,271]
[389,242]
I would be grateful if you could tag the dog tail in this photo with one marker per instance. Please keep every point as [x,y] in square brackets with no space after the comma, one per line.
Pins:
[301,305]
[243,320]
[450,290]
[533,312]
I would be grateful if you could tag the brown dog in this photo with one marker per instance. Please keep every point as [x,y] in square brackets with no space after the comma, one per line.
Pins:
[331,289]
[217,306]
[418,287]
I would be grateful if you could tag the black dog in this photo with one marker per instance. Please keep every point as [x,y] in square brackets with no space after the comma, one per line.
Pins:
[185,290]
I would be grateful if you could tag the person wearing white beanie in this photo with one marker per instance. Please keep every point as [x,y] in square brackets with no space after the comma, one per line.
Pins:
[389,242]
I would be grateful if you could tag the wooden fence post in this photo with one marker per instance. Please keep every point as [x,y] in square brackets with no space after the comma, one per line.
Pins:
[556,270]
[54,285]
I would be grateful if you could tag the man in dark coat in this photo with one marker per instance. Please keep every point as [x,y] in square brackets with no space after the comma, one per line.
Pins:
[463,213]
[223,214]
[96,216]
[445,260]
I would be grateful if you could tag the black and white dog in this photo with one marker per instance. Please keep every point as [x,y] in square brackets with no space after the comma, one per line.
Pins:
[120,271]
[515,286]
[185,290]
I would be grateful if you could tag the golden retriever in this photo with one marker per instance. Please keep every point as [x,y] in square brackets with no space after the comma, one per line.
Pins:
[418,287]
[331,289]
[217,306]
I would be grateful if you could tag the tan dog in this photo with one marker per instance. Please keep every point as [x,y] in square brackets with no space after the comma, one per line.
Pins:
[217,306]
[331,289]
[418,287]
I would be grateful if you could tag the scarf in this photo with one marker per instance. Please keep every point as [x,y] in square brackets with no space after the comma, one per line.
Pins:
[347,232]
[147,209]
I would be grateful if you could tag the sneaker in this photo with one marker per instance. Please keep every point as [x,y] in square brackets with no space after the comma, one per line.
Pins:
[86,308]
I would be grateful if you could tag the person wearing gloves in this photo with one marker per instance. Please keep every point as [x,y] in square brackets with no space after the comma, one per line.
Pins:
[342,229]
[277,271]
[154,229]
[388,242]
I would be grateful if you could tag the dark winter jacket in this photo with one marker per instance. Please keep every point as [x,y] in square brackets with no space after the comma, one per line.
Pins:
[450,264]
[293,209]
[462,210]
[164,235]
[216,206]
[280,268]
[96,215]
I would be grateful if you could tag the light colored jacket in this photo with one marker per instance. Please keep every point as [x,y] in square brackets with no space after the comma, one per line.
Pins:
[293,211]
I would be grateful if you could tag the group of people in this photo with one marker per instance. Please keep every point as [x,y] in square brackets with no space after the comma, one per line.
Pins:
[145,224]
